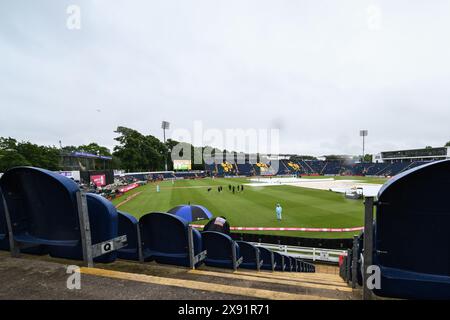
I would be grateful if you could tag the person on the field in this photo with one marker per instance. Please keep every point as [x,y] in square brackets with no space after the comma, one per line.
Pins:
[218,224]
[278,211]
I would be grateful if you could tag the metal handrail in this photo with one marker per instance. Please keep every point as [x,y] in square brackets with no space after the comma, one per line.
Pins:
[314,254]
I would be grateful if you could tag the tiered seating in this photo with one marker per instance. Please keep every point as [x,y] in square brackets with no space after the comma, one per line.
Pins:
[317,166]
[264,169]
[332,167]
[375,168]
[289,167]
[245,169]
[185,175]
[226,169]
[306,167]
[314,167]
[45,211]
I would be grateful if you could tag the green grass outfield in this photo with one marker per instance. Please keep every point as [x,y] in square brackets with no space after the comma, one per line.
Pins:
[255,207]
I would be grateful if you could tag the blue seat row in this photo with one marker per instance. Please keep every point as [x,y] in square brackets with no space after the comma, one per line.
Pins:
[165,240]
[44,210]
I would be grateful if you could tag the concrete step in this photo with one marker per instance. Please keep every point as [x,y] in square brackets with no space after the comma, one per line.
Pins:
[169,281]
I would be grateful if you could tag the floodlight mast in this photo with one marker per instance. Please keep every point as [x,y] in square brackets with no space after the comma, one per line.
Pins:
[165,125]
[363,134]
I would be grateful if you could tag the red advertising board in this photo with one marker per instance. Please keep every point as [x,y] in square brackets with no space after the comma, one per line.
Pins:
[128,187]
[99,180]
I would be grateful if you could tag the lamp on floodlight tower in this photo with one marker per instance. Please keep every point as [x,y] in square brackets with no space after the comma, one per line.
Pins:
[363,134]
[165,125]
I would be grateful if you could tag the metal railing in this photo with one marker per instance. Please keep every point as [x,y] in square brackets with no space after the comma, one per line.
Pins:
[314,254]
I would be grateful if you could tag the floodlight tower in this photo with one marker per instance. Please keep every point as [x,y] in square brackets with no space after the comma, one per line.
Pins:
[363,134]
[165,125]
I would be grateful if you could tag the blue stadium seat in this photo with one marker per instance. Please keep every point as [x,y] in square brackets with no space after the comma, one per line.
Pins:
[293,264]
[219,247]
[103,221]
[296,265]
[44,213]
[267,258]
[251,255]
[165,239]
[308,267]
[280,261]
[42,207]
[300,265]
[411,244]
[128,225]
[288,262]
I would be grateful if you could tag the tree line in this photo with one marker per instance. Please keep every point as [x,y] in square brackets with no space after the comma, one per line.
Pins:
[134,152]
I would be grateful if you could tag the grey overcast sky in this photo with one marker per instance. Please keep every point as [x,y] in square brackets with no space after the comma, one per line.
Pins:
[319,70]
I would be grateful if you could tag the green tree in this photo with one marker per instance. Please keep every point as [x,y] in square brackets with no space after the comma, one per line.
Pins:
[40,156]
[10,159]
[137,152]
[368,158]
[94,148]
[447,144]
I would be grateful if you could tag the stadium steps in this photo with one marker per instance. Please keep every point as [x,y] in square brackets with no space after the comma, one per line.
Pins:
[310,168]
[323,169]
[263,284]
[217,283]
[412,164]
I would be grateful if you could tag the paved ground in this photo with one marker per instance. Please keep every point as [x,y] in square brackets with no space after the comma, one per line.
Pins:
[40,277]
[34,279]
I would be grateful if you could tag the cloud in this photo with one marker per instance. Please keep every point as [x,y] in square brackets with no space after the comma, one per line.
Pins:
[314,69]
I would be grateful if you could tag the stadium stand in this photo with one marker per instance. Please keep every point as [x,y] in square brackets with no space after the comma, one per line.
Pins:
[222,251]
[414,202]
[313,167]
[245,169]
[165,239]
[45,210]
